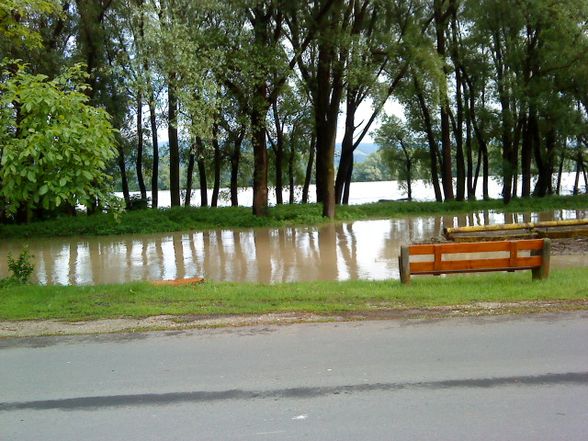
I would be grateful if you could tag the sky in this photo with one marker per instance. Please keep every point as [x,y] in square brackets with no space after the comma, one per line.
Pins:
[364,112]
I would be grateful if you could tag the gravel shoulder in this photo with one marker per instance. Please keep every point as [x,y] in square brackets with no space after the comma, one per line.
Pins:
[15,329]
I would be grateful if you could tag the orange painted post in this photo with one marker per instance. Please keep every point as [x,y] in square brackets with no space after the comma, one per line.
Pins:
[513,256]
[404,265]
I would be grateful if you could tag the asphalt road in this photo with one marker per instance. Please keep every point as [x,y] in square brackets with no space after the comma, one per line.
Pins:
[517,378]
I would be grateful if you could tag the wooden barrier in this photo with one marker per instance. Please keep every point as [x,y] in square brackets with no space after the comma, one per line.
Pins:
[527,230]
[178,282]
[537,260]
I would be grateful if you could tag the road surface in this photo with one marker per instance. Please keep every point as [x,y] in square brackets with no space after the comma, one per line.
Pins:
[505,378]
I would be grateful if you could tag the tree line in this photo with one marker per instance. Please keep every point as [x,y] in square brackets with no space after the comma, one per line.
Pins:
[255,88]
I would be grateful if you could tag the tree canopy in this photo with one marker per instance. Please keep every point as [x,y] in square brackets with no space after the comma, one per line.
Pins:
[250,93]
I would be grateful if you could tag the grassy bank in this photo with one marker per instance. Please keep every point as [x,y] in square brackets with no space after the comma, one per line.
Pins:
[182,219]
[137,300]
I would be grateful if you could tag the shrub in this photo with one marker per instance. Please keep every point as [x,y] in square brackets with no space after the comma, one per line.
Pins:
[21,267]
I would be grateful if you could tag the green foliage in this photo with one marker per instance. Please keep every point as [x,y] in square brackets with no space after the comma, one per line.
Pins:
[14,20]
[373,168]
[21,267]
[55,147]
[402,150]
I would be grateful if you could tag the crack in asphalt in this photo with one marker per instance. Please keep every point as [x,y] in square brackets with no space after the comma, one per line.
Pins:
[113,401]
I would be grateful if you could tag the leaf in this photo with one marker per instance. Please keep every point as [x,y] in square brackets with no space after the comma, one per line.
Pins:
[43,189]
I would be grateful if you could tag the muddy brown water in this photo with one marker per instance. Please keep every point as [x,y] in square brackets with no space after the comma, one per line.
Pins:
[347,251]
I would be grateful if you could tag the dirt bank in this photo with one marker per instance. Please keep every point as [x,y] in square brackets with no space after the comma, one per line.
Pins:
[569,246]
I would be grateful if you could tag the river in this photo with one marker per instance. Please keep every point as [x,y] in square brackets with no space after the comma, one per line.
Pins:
[360,192]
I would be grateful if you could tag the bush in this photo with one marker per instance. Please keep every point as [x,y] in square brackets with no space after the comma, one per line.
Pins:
[21,267]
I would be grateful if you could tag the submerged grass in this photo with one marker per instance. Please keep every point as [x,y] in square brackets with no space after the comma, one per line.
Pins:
[195,218]
[136,300]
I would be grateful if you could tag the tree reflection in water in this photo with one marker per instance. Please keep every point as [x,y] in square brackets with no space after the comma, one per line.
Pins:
[358,250]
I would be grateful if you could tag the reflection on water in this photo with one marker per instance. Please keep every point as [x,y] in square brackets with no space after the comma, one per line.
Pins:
[358,250]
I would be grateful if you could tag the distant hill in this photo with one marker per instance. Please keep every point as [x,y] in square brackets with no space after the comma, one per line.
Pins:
[362,151]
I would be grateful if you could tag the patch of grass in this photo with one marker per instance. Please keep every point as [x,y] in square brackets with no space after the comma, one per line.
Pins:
[195,218]
[143,299]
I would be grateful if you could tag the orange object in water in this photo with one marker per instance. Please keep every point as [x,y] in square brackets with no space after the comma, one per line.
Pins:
[178,282]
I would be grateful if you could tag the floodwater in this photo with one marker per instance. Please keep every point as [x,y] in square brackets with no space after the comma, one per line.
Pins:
[365,250]
[361,192]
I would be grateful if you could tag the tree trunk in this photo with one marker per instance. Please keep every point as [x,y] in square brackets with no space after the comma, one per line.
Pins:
[433,149]
[291,158]
[309,166]
[346,160]
[123,176]
[347,187]
[174,148]
[260,200]
[526,154]
[506,119]
[279,154]
[544,161]
[446,171]
[139,161]
[409,178]
[326,123]
[560,169]
[578,171]
[217,167]
[485,173]
[459,85]
[471,189]
[154,141]
[329,90]
[189,175]
[515,156]
[235,159]
[585,178]
[202,173]
[506,163]
[459,155]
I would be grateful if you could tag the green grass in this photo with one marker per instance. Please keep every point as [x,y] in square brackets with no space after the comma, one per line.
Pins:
[142,299]
[183,219]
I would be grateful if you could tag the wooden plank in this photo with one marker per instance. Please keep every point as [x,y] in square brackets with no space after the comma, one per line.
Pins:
[474,237]
[178,282]
[477,270]
[419,250]
[554,229]
[475,247]
[517,226]
[474,264]
[453,265]
[495,227]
